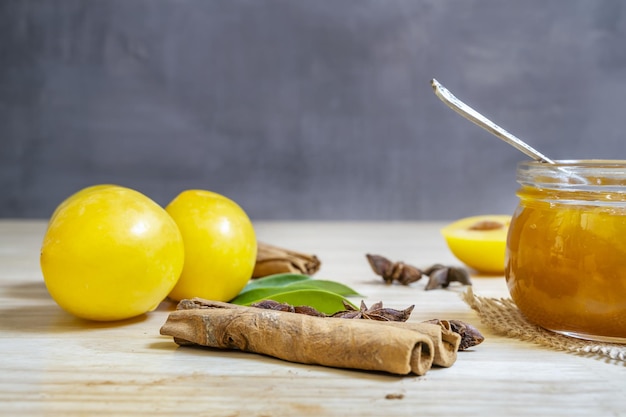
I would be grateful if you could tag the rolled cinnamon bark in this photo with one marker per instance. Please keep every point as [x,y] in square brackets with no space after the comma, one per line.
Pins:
[445,341]
[342,343]
[275,260]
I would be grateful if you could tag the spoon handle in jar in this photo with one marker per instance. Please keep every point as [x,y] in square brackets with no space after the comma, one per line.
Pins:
[473,116]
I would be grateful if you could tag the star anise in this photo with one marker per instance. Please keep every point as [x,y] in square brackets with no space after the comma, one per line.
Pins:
[375,312]
[440,276]
[394,271]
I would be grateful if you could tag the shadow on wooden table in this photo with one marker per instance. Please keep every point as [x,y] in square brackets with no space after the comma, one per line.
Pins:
[32,309]
[50,318]
[34,290]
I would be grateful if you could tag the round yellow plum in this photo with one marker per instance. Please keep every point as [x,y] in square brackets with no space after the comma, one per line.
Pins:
[220,245]
[110,253]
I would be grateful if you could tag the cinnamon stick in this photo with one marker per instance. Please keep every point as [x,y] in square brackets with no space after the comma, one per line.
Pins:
[276,260]
[394,347]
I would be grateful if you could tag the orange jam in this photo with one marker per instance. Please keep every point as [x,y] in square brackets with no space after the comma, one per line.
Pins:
[566,248]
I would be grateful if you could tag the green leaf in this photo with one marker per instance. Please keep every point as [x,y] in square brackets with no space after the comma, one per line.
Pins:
[297,289]
[261,293]
[276,280]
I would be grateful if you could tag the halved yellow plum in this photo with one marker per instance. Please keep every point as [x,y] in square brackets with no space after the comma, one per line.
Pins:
[479,241]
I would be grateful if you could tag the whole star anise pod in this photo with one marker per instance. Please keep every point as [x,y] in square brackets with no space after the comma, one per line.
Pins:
[375,312]
[440,276]
[394,271]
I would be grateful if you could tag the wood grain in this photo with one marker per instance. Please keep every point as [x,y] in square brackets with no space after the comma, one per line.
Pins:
[55,364]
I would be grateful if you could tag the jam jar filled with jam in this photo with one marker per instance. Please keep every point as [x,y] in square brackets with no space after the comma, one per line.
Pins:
[566,248]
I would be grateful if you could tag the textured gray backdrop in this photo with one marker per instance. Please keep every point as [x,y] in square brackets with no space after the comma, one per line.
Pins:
[317,109]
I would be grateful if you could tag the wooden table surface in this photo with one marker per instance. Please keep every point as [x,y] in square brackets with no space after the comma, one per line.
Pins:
[54,364]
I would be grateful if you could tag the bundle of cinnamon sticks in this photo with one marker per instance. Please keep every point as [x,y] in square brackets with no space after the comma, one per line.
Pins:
[276,260]
[394,347]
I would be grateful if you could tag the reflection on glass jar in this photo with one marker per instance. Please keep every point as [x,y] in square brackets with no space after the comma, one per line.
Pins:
[566,248]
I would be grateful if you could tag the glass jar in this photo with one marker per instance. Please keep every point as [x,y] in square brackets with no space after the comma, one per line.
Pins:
[566,248]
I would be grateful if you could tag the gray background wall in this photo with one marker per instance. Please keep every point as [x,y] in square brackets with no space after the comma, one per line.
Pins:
[317,109]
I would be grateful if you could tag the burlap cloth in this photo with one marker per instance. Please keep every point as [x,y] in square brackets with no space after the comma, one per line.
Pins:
[503,316]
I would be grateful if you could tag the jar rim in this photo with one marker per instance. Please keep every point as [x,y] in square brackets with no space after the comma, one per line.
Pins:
[581,174]
[582,163]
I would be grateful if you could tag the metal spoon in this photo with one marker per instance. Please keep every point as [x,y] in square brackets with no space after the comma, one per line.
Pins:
[480,120]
